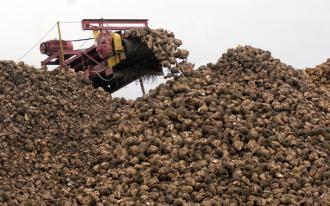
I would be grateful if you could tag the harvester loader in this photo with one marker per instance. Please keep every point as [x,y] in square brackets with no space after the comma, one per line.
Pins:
[112,62]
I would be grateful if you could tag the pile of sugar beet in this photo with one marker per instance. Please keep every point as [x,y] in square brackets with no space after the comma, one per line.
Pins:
[248,130]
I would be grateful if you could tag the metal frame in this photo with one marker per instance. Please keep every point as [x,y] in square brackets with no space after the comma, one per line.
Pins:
[65,58]
[113,24]
[92,24]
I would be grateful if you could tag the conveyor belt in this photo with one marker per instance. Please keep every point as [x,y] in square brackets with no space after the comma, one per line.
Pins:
[139,62]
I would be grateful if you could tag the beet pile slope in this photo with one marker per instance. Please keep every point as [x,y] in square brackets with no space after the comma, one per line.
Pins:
[247,129]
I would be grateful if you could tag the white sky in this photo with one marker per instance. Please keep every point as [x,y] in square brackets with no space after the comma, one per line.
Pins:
[296,31]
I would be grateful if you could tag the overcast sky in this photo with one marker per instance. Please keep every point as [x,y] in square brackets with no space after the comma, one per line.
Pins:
[296,31]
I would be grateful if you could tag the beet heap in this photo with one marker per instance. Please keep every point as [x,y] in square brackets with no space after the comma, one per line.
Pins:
[246,130]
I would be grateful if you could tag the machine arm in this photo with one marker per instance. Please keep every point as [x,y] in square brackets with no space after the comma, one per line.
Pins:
[113,24]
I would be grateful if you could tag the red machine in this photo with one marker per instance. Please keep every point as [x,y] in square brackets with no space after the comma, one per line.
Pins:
[53,46]
[112,62]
